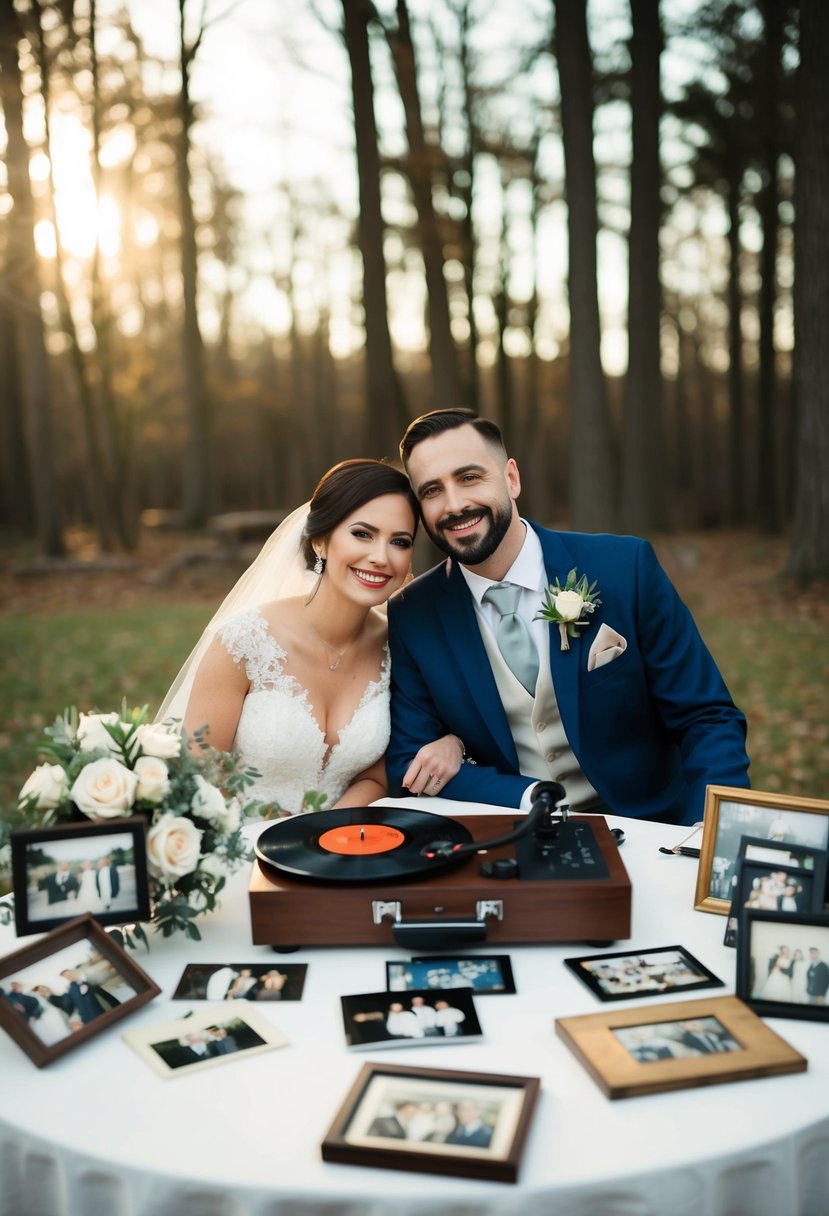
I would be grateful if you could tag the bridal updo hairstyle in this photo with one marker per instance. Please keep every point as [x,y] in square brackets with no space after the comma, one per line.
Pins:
[343,490]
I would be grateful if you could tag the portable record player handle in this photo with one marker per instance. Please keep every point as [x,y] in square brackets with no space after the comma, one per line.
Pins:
[441,932]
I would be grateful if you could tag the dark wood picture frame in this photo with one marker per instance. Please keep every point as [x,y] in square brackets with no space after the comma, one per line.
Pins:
[722,809]
[82,929]
[21,842]
[757,1052]
[354,1139]
[750,868]
[762,932]
[588,975]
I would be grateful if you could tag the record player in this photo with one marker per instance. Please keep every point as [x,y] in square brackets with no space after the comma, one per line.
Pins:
[376,875]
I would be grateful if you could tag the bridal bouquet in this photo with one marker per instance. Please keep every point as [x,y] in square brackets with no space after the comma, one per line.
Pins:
[120,765]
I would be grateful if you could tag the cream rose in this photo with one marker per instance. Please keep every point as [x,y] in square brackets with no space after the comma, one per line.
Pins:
[153,779]
[208,802]
[173,847]
[104,789]
[93,735]
[48,784]
[213,865]
[569,605]
[159,739]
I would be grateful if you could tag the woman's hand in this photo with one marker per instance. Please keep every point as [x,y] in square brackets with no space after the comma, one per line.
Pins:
[434,765]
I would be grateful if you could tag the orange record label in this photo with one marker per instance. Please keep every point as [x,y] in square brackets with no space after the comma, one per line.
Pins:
[361,839]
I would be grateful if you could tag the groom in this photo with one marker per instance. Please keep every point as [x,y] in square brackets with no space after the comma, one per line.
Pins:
[633,718]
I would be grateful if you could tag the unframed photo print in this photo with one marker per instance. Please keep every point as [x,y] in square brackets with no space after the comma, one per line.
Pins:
[258,982]
[207,1038]
[415,1018]
[485,975]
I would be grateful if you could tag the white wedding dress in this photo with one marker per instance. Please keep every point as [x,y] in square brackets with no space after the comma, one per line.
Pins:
[278,734]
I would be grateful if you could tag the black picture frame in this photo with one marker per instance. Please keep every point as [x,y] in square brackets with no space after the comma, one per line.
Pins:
[646,964]
[359,1134]
[762,933]
[81,942]
[804,868]
[34,909]
[484,974]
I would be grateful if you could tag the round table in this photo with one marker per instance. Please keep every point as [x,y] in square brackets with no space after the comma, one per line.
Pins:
[97,1133]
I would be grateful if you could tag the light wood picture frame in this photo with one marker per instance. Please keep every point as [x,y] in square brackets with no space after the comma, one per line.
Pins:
[487,1119]
[631,1052]
[730,814]
[36,989]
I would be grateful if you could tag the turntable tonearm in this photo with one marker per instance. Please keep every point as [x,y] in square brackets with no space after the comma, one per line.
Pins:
[376,875]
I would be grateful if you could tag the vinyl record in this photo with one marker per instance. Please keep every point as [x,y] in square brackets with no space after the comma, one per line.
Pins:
[358,844]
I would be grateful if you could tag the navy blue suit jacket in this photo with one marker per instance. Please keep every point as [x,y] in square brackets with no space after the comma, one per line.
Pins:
[650,729]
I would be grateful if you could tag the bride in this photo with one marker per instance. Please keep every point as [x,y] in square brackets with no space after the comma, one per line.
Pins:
[292,673]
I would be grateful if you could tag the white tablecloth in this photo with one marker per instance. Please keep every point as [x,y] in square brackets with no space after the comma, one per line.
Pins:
[97,1133]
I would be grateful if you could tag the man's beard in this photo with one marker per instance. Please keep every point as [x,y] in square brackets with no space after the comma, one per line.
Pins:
[472,550]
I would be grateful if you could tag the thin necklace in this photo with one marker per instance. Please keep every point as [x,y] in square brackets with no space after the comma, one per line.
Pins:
[339,653]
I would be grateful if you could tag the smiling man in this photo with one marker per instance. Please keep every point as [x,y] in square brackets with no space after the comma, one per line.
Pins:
[617,698]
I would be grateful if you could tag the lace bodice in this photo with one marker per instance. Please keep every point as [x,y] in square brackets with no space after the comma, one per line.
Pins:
[278,734]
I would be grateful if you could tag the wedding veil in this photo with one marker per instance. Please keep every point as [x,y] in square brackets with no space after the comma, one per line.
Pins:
[278,571]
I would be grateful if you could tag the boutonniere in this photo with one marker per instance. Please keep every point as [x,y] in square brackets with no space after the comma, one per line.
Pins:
[565,605]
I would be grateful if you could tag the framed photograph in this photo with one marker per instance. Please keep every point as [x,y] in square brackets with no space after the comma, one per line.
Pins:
[625,975]
[241,982]
[794,883]
[732,813]
[650,1050]
[67,987]
[414,1018]
[99,869]
[783,964]
[204,1039]
[485,975]
[438,1121]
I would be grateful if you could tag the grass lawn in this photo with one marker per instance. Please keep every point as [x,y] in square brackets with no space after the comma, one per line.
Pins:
[771,643]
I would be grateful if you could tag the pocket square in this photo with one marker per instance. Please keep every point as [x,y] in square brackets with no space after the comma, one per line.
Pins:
[607,646]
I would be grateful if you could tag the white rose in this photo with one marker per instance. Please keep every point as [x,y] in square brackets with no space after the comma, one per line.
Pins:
[214,866]
[569,605]
[48,783]
[158,739]
[153,779]
[208,802]
[104,789]
[232,817]
[173,847]
[93,735]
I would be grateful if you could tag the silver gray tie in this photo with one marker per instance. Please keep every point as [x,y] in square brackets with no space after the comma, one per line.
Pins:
[512,634]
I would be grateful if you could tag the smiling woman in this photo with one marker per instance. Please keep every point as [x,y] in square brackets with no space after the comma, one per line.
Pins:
[293,671]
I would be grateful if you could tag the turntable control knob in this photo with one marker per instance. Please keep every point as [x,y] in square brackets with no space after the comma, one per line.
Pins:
[502,867]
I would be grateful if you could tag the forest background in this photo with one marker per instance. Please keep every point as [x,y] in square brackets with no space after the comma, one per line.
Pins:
[242,240]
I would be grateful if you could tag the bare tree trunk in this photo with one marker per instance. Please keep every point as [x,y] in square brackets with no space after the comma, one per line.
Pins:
[197,458]
[809,556]
[24,286]
[386,416]
[736,395]
[592,494]
[503,378]
[642,465]
[768,478]
[466,192]
[420,170]
[16,508]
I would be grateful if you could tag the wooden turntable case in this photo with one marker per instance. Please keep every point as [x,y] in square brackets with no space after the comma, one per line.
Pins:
[288,912]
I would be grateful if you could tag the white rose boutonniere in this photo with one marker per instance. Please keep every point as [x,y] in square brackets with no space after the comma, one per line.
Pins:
[565,606]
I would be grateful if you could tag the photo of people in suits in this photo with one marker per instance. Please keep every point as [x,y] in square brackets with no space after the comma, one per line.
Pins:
[789,963]
[241,982]
[203,1039]
[59,995]
[683,1039]
[415,1017]
[87,873]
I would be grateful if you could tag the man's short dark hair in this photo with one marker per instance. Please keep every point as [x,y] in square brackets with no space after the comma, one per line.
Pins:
[438,421]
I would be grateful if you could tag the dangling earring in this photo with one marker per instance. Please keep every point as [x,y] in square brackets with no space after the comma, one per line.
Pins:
[319,564]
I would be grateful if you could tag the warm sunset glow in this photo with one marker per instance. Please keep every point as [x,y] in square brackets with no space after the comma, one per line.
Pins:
[84,222]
